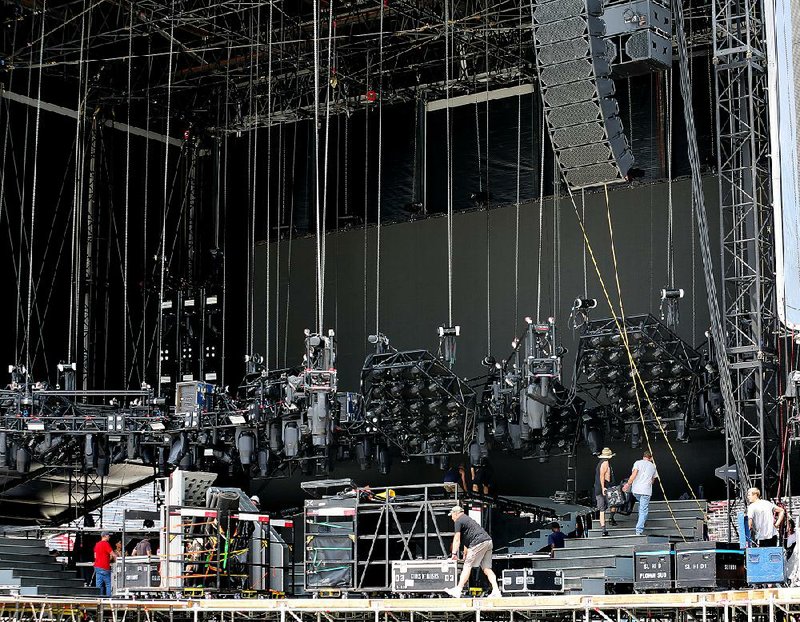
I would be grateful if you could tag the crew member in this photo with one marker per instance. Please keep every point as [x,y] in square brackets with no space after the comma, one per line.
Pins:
[483,477]
[640,483]
[256,502]
[477,551]
[602,478]
[103,556]
[455,476]
[556,539]
[143,547]
[761,516]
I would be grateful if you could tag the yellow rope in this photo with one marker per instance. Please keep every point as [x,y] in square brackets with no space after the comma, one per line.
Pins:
[631,361]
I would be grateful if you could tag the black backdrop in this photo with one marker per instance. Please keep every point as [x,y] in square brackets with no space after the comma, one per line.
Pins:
[414,300]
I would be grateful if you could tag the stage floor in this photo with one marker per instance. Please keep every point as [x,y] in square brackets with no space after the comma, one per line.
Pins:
[761,604]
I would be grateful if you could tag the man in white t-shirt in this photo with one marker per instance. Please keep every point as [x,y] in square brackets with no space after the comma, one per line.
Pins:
[640,483]
[761,516]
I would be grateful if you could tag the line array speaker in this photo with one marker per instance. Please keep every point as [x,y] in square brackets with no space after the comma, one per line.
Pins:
[573,64]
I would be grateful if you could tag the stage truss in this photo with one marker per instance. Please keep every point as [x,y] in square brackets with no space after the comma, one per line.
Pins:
[766,605]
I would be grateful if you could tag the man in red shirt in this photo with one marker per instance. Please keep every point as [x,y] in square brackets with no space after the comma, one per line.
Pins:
[103,555]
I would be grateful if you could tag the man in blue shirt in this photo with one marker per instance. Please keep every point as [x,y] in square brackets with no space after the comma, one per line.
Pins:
[556,539]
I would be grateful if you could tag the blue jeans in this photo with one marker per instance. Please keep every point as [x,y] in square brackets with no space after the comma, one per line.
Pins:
[102,579]
[644,510]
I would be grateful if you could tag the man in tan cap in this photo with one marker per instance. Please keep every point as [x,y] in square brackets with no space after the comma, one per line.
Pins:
[477,551]
[603,477]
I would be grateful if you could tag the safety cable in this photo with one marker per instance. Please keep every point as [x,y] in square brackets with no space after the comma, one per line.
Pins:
[317,210]
[279,236]
[585,271]
[518,181]
[670,212]
[488,195]
[224,218]
[145,212]
[33,194]
[74,285]
[447,18]
[517,209]
[542,137]
[380,179]
[365,313]
[267,245]
[127,210]
[328,92]
[289,251]
[253,179]
[165,208]
[281,220]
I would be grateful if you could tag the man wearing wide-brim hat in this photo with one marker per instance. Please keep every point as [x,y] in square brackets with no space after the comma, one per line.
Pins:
[603,476]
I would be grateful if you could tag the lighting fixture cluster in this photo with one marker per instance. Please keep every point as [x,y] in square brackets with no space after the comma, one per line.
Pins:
[668,369]
[413,400]
[525,407]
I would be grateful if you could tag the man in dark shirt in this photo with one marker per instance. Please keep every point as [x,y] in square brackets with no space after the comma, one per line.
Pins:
[477,551]
[556,539]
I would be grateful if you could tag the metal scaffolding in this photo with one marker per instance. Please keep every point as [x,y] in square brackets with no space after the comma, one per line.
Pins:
[768,605]
[747,244]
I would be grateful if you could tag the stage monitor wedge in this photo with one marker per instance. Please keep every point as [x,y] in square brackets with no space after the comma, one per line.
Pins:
[573,64]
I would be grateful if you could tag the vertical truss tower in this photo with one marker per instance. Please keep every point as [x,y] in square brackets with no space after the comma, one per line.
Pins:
[748,258]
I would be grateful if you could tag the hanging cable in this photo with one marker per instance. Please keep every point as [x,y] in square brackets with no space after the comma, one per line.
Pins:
[366,208]
[517,209]
[127,208]
[225,215]
[518,181]
[380,179]
[145,212]
[585,272]
[165,207]
[289,252]
[74,287]
[670,213]
[488,193]
[328,94]
[253,167]
[33,195]
[447,8]
[267,245]
[318,214]
[542,137]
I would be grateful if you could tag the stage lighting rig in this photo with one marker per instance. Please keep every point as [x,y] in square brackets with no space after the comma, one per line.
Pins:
[89,430]
[413,401]
[670,370]
[288,417]
[524,405]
